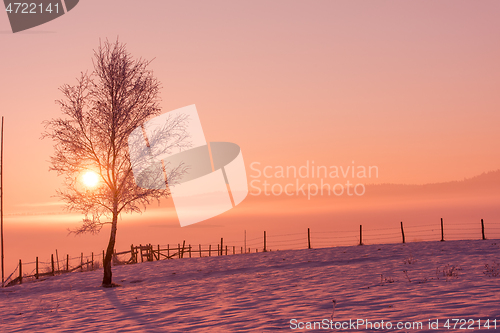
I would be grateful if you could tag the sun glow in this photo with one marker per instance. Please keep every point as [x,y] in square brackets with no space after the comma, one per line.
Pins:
[90,179]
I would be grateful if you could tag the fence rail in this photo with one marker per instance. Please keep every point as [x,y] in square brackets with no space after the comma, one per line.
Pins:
[309,240]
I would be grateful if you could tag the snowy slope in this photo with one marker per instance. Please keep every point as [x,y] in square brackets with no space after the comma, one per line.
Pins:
[263,292]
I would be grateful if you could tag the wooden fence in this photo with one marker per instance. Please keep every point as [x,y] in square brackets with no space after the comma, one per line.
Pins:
[135,255]
[53,271]
[150,252]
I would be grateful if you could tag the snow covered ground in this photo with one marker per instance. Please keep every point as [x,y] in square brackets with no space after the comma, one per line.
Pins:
[273,291]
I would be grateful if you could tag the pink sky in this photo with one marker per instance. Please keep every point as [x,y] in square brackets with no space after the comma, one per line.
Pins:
[410,87]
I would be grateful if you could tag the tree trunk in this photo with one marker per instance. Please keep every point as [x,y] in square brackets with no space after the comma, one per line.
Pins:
[107,279]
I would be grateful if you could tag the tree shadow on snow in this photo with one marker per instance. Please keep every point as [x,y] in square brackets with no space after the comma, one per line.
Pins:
[128,310]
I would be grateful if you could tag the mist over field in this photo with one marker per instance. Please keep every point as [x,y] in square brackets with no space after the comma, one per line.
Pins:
[462,204]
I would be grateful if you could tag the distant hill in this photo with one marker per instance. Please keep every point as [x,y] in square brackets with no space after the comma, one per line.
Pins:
[485,184]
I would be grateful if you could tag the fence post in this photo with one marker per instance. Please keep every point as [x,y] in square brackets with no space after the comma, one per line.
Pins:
[20,271]
[200,249]
[52,262]
[168,250]
[189,250]
[132,258]
[234,249]
[67,262]
[265,250]
[209,250]
[36,274]
[92,261]
[242,250]
[159,252]
[442,230]
[81,262]
[183,244]
[218,249]
[221,246]
[360,234]
[226,250]
[57,258]
[482,229]
[402,232]
[308,238]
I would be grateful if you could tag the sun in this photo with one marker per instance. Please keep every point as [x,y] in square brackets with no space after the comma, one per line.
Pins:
[90,179]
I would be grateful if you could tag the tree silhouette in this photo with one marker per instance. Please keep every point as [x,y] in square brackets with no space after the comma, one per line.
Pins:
[100,112]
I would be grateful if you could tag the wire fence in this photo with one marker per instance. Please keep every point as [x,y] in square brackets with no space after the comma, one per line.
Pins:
[267,242]
[28,271]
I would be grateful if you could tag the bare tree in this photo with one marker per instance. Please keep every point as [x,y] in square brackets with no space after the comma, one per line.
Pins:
[100,112]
